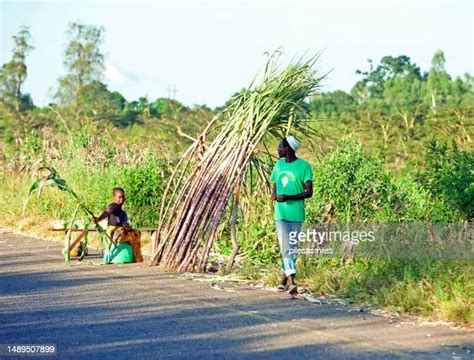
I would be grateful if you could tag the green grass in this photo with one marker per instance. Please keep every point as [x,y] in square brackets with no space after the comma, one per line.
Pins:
[434,289]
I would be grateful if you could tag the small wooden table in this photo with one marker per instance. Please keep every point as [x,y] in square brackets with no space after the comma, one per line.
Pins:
[83,233]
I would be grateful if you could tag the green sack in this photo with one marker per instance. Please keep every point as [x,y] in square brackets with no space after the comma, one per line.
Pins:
[120,254]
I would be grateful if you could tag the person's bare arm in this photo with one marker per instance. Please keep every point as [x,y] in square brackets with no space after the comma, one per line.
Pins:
[274,196]
[306,194]
[102,216]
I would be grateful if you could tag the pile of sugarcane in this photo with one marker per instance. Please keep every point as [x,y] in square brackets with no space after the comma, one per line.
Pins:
[206,176]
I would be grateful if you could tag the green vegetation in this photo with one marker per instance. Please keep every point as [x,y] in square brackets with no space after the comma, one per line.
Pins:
[397,147]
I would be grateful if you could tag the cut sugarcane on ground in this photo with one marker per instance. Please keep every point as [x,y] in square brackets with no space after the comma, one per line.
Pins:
[206,176]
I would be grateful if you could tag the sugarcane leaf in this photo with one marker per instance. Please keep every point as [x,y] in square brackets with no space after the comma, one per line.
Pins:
[44,182]
[53,172]
[34,186]
[60,183]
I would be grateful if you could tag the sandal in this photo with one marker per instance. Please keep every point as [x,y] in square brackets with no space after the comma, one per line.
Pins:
[293,290]
[282,284]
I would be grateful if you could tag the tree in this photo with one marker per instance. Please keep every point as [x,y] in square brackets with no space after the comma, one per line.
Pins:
[359,92]
[403,97]
[13,74]
[336,102]
[389,67]
[438,82]
[83,60]
[461,93]
[98,103]
[169,108]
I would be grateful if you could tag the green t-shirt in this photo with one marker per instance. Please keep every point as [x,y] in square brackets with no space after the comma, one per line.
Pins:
[290,179]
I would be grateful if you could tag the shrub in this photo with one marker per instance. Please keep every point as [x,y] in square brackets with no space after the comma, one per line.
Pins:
[144,183]
[448,176]
[356,184]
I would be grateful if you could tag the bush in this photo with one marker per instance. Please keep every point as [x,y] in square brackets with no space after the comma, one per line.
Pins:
[144,183]
[448,176]
[356,184]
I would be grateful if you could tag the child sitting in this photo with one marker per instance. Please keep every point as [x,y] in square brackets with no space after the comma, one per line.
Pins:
[118,226]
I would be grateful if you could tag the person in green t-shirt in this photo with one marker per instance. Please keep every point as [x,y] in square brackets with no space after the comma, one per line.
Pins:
[292,180]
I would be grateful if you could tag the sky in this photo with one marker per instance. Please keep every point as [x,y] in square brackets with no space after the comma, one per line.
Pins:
[210,49]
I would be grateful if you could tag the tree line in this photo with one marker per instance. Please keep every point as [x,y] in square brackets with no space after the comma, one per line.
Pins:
[81,89]
[394,91]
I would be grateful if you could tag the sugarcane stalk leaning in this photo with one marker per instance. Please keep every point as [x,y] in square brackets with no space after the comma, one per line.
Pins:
[199,188]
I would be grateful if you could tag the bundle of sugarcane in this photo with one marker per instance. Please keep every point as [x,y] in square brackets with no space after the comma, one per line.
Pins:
[195,198]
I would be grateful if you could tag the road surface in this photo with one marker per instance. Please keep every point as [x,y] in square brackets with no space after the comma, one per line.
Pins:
[92,311]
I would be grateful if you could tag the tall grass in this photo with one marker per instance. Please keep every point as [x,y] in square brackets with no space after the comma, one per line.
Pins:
[92,163]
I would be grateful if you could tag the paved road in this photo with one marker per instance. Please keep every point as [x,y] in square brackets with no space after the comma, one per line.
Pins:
[133,311]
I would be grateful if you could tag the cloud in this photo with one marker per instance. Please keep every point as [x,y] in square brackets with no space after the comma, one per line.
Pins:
[117,76]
